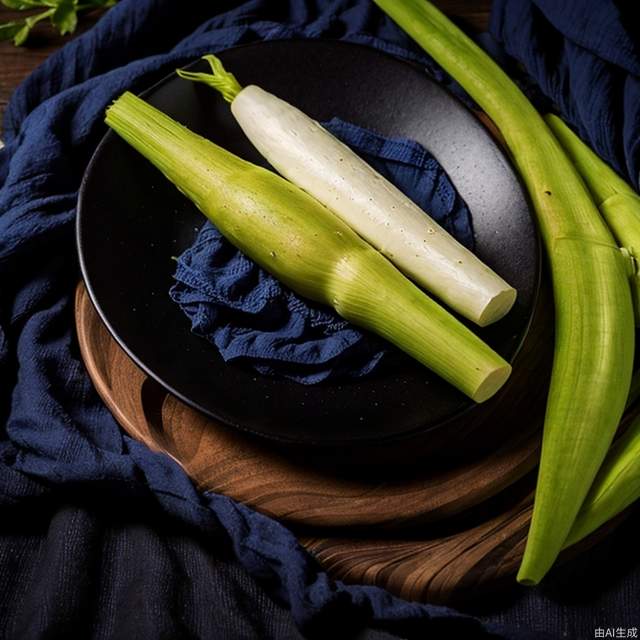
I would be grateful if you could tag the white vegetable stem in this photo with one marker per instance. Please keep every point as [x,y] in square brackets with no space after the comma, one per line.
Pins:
[308,248]
[305,153]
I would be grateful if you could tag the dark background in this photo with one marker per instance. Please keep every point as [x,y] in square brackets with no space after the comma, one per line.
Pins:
[17,63]
[140,568]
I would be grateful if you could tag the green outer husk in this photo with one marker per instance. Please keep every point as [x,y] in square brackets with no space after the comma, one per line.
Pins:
[602,180]
[617,483]
[308,248]
[616,486]
[594,316]
[619,204]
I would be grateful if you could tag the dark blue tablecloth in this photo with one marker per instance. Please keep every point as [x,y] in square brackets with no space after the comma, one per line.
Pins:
[585,57]
[57,430]
[58,443]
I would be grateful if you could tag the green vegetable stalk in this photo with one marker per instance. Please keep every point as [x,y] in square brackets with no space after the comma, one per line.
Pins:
[616,486]
[594,324]
[619,204]
[309,156]
[304,245]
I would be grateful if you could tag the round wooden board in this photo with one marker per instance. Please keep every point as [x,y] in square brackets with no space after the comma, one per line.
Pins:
[436,566]
[438,533]
[281,482]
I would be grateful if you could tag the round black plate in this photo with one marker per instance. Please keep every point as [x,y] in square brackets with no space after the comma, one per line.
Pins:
[131,221]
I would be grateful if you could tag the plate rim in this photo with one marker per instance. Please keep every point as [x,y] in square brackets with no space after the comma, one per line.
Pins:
[278,438]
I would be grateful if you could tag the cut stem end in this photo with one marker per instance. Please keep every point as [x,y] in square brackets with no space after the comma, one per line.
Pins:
[492,383]
[498,307]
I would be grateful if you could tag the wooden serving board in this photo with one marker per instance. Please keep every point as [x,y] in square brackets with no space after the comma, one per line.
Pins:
[437,532]
[280,481]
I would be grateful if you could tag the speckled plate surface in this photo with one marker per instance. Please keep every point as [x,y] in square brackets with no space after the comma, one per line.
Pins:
[131,222]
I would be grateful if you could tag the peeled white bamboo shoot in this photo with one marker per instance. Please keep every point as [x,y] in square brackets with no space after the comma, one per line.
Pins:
[305,153]
[308,248]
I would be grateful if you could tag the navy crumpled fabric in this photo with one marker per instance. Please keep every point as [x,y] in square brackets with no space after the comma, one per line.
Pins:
[55,430]
[585,57]
[251,317]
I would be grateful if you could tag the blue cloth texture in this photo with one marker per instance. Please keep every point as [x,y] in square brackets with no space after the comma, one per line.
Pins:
[251,317]
[55,430]
[585,57]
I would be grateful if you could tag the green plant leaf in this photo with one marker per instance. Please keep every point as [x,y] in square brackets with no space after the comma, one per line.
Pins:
[63,14]
[21,36]
[65,17]
[19,5]
[8,30]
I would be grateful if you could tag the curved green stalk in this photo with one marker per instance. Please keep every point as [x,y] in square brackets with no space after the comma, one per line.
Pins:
[594,315]
[304,245]
[616,486]
[619,204]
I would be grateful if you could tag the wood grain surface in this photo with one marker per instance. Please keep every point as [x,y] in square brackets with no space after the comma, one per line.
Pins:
[16,63]
[281,483]
[442,534]
[429,536]
[446,566]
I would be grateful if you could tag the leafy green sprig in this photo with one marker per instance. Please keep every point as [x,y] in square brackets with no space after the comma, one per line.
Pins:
[63,15]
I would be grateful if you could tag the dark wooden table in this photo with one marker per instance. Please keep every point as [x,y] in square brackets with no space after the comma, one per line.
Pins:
[16,63]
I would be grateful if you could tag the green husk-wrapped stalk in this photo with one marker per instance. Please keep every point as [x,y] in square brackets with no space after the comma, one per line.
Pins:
[307,247]
[594,323]
[616,486]
[618,203]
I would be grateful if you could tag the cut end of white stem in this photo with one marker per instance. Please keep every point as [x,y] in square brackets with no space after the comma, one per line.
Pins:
[497,307]
[307,155]
[492,383]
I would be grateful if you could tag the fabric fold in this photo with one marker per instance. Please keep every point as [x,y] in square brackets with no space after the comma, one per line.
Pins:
[584,56]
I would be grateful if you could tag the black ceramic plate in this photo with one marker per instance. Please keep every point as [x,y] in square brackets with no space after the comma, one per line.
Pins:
[131,221]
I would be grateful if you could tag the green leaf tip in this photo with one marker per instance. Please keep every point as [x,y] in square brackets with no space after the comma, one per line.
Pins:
[220,79]
[65,17]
